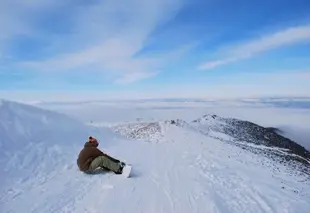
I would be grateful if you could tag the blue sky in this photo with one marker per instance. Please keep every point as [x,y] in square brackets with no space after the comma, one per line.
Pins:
[155,48]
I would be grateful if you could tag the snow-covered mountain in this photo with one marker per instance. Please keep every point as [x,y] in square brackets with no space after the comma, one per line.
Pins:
[211,164]
[265,141]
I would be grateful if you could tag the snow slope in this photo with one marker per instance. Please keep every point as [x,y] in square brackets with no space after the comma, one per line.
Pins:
[180,171]
[238,132]
[35,142]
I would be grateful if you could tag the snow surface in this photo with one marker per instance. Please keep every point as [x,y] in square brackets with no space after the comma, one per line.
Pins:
[35,142]
[187,172]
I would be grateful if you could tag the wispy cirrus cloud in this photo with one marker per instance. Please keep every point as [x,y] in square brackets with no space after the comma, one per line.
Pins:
[249,49]
[17,17]
[135,76]
[107,37]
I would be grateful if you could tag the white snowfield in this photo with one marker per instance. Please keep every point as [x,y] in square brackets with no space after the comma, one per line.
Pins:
[186,172]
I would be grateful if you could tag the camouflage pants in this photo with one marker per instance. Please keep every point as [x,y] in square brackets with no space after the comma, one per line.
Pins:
[105,162]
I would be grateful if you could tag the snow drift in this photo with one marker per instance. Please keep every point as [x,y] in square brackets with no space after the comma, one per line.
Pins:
[179,166]
[33,140]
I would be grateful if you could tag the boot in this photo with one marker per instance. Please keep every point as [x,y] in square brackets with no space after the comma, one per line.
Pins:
[120,170]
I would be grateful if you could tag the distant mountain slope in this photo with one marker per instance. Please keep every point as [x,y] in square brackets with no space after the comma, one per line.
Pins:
[300,134]
[244,134]
[247,131]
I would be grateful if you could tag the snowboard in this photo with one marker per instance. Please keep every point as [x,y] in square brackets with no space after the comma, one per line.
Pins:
[127,171]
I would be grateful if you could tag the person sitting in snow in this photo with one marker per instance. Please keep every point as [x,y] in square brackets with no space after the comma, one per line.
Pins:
[91,158]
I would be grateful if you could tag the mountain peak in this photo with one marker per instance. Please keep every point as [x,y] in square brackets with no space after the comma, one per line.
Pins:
[244,134]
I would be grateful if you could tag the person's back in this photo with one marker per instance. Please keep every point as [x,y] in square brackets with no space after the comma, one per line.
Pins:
[87,155]
[91,158]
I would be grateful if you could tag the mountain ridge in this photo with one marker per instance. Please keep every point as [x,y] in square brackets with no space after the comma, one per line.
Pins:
[241,133]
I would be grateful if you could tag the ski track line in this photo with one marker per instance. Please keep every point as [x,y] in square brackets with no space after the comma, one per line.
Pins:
[25,184]
[247,193]
[164,189]
[241,195]
[67,197]
[98,184]
[183,196]
[168,186]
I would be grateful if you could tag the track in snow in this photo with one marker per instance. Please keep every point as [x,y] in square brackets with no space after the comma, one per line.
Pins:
[188,173]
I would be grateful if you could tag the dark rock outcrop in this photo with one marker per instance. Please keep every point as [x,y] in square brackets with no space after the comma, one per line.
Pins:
[247,131]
